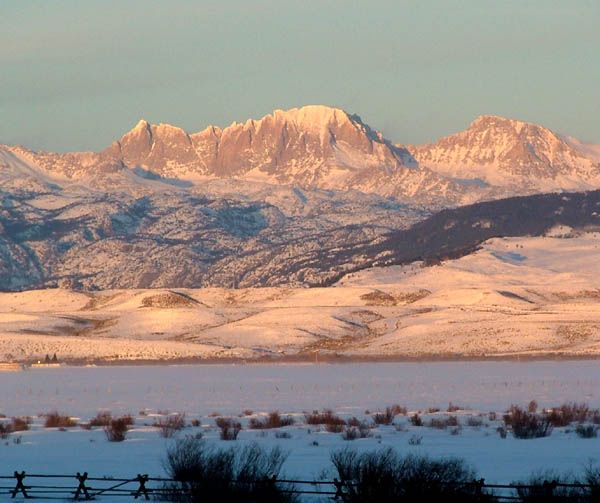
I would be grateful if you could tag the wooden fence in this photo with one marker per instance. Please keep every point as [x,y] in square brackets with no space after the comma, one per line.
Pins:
[81,486]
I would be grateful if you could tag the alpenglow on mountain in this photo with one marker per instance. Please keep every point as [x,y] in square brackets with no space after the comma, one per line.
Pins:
[328,148]
[255,203]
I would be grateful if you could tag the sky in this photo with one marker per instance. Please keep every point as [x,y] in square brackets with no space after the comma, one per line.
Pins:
[75,75]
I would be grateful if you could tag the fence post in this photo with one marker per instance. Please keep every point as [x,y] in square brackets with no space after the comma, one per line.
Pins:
[479,485]
[82,488]
[142,479]
[549,487]
[339,490]
[20,487]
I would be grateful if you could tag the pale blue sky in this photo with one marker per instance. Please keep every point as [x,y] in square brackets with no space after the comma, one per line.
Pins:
[76,74]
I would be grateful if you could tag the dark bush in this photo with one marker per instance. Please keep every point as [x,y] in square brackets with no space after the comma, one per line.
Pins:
[568,413]
[441,423]
[230,429]
[56,420]
[453,408]
[5,430]
[586,430]
[205,473]
[384,476]
[361,430]
[101,419]
[354,421]
[524,424]
[475,422]
[335,427]
[117,428]
[538,489]
[416,420]
[325,417]
[273,420]
[20,423]
[171,424]
[386,417]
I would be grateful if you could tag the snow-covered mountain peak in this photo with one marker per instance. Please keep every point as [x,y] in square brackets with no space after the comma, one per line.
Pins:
[507,152]
[313,117]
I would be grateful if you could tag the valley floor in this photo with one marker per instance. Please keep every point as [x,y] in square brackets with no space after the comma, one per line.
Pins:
[204,392]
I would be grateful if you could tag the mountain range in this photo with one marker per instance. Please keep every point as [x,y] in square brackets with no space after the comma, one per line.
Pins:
[272,201]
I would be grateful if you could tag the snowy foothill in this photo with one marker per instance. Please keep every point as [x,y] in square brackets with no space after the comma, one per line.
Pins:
[246,392]
[513,297]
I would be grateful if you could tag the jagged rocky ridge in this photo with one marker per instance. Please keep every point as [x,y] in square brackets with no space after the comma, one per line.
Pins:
[298,198]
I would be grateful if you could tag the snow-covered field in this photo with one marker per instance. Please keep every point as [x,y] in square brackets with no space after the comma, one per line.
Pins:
[348,389]
[513,297]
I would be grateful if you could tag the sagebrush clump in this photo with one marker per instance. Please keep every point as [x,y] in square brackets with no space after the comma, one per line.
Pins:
[205,473]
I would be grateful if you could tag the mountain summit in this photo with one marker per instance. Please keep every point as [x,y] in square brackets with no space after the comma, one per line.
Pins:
[321,147]
[505,152]
[309,146]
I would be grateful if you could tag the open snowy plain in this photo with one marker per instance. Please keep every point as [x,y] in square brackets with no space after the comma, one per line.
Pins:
[514,297]
[205,391]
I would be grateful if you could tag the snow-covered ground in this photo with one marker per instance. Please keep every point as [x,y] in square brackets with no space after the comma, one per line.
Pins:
[513,297]
[348,389]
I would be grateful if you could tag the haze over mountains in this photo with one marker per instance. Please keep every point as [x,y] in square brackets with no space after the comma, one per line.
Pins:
[257,203]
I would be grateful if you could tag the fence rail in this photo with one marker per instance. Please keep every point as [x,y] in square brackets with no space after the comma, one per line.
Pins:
[81,487]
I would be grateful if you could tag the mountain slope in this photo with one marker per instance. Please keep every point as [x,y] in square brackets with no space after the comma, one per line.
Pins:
[511,154]
[310,147]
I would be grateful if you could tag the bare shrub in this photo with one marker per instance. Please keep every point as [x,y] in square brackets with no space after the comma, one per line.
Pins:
[102,419]
[532,408]
[273,420]
[453,408]
[20,423]
[568,413]
[415,440]
[386,417]
[350,433]
[475,422]
[527,425]
[169,425]
[335,427]
[360,430]
[5,430]
[441,423]
[205,473]
[382,476]
[117,428]
[354,421]
[416,420]
[399,410]
[56,420]
[247,412]
[492,416]
[502,431]
[586,430]
[538,489]
[195,423]
[283,434]
[326,417]
[433,410]
[230,429]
